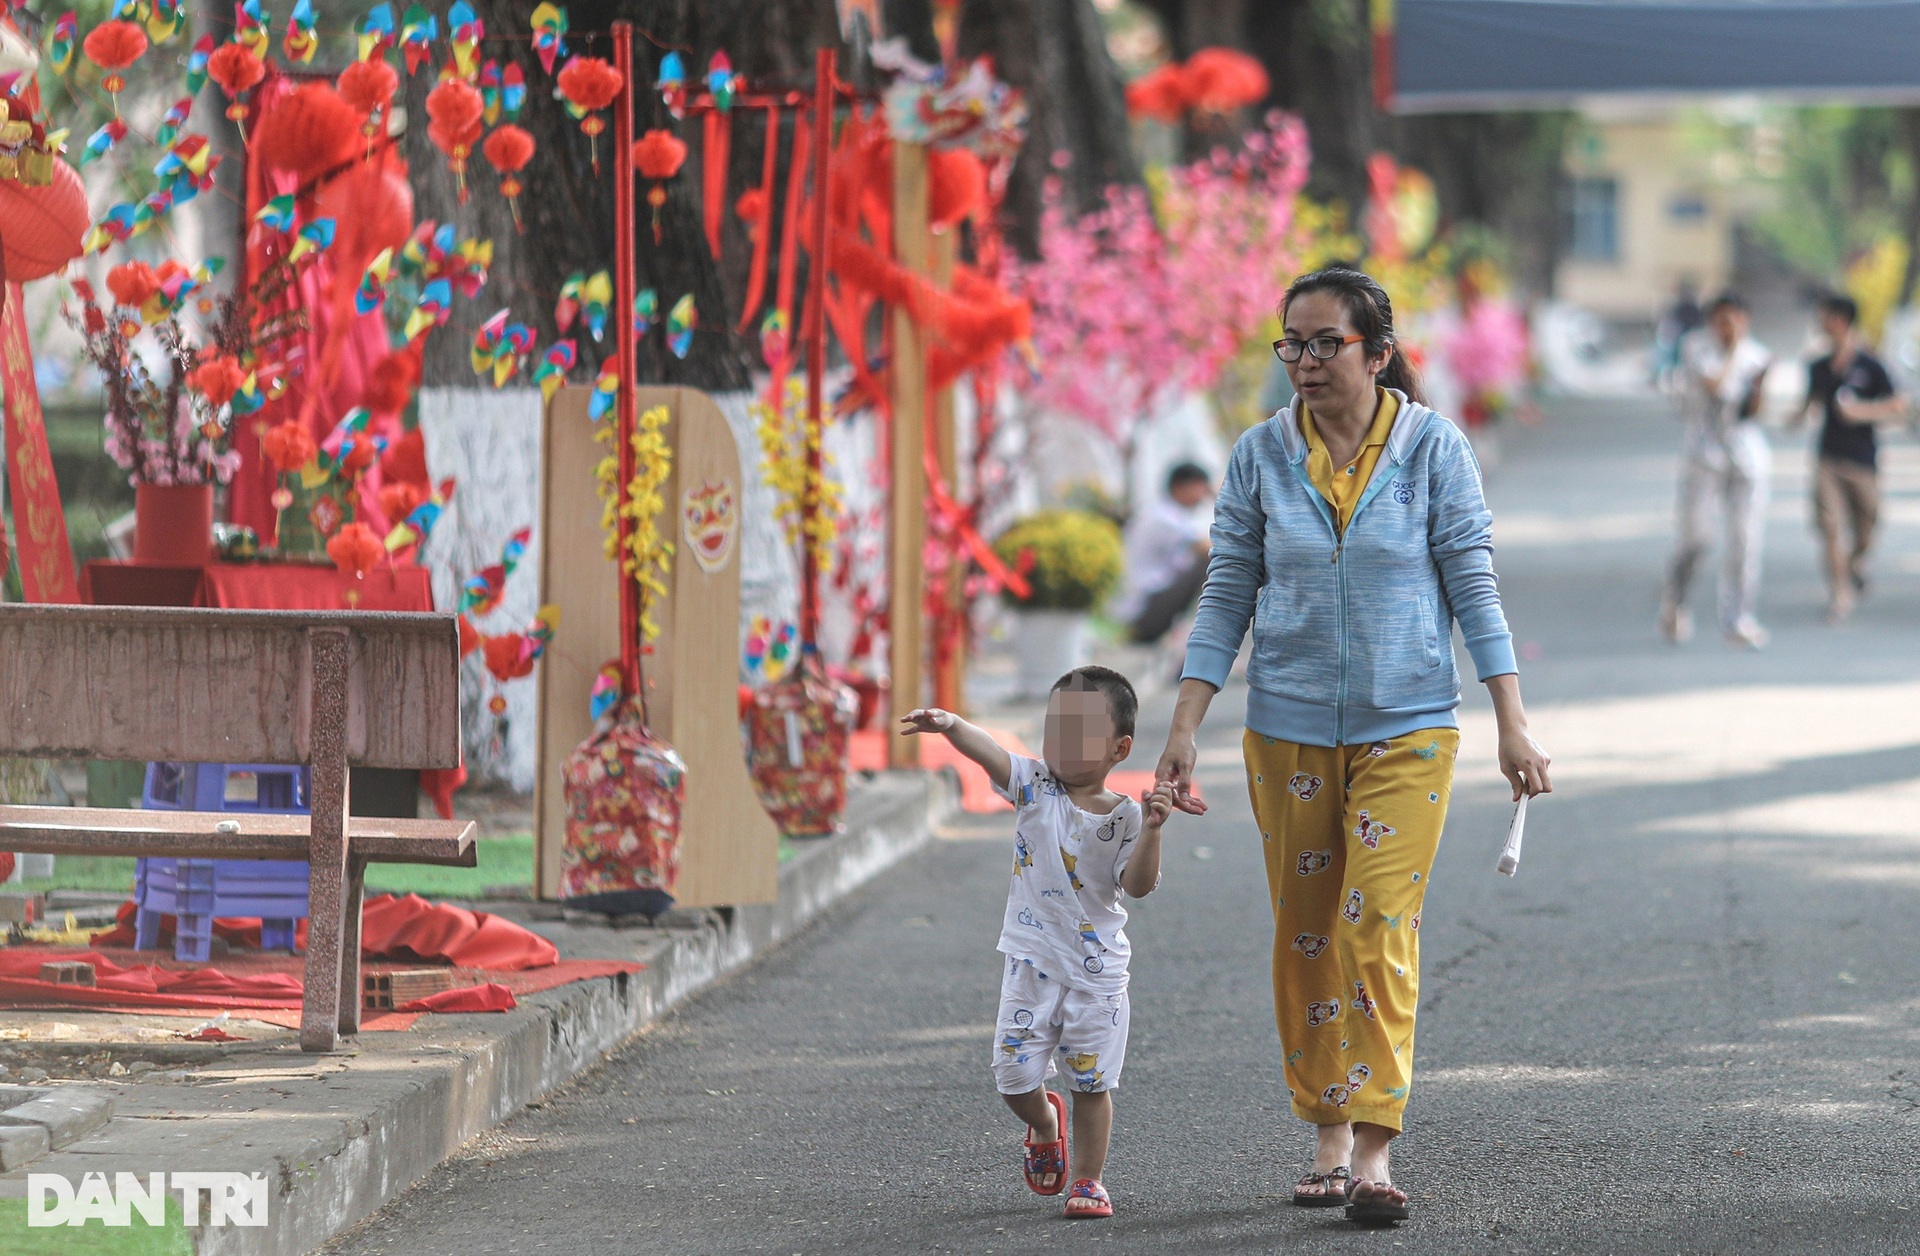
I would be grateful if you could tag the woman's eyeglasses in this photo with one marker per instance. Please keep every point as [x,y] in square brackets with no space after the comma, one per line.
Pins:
[1321,347]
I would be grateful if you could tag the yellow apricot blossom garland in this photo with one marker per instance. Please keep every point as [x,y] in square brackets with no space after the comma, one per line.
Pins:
[786,439]
[648,553]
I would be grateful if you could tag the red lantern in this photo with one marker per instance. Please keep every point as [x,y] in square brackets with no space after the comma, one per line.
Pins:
[509,149]
[289,446]
[397,501]
[113,46]
[658,155]
[46,227]
[308,133]
[455,107]
[507,656]
[355,548]
[1220,80]
[238,71]
[590,85]
[368,85]
[217,379]
[132,283]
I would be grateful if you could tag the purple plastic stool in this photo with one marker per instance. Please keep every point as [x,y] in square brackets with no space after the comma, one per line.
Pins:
[195,891]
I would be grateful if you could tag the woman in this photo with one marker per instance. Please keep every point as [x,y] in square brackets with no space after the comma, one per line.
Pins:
[1350,532]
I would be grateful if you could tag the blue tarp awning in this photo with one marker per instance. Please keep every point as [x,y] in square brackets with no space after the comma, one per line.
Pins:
[1521,54]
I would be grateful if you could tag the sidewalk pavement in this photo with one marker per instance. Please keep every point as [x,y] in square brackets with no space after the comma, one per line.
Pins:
[339,1135]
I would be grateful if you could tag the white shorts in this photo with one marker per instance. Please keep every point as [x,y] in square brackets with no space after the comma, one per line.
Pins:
[1041,1018]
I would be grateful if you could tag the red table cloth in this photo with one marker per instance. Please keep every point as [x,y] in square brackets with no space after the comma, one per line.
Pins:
[278,586]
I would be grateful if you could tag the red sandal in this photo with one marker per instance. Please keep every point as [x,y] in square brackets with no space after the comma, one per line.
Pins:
[1046,1166]
[1088,1199]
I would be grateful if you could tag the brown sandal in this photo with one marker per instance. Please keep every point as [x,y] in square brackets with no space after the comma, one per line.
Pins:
[1328,1196]
[1374,1212]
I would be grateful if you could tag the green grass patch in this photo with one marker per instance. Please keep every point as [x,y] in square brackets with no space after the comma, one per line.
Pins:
[94,1238]
[503,861]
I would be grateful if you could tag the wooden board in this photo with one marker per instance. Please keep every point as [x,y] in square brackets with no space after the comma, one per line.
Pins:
[221,686]
[906,577]
[730,851]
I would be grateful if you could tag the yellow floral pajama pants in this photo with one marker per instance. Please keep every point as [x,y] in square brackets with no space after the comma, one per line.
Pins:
[1349,834]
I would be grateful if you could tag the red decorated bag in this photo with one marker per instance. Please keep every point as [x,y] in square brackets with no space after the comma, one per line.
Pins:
[797,734]
[625,792]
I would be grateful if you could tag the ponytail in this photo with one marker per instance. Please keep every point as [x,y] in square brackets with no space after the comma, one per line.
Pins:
[1372,313]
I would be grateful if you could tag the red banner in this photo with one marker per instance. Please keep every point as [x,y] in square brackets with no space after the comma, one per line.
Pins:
[46,559]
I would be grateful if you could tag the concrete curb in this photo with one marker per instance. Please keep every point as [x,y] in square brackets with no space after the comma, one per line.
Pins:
[559,1034]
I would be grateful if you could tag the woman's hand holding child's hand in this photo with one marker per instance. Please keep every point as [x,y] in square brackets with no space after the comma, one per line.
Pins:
[927,720]
[1158,803]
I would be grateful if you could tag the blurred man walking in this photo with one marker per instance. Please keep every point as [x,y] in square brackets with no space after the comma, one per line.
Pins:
[1854,392]
[1725,467]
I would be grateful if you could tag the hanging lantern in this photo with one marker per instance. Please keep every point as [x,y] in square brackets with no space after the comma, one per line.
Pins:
[369,87]
[509,148]
[238,71]
[455,108]
[355,548]
[658,155]
[589,85]
[798,733]
[626,790]
[113,46]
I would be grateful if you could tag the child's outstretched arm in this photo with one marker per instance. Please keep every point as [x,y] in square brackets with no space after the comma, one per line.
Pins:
[1142,876]
[969,740]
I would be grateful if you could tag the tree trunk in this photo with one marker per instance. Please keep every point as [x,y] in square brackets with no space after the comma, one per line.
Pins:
[1055,52]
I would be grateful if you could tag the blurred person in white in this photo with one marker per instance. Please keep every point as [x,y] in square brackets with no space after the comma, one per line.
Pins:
[1725,468]
[1854,392]
[1167,546]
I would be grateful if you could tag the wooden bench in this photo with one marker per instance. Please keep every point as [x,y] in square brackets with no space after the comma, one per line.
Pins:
[367,689]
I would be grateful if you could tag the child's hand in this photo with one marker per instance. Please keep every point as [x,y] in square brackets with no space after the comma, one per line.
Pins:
[928,720]
[1158,803]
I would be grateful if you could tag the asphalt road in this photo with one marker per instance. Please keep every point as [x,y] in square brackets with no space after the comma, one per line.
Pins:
[1688,1025]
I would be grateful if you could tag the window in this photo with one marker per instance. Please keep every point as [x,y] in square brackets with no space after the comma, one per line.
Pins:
[1593,227]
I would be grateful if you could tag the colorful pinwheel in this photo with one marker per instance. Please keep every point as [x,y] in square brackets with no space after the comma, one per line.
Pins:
[418,30]
[374,34]
[549,33]
[554,365]
[372,292]
[300,39]
[681,320]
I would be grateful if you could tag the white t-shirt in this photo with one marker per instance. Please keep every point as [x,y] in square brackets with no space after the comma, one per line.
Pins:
[1063,908]
[1738,368]
[1160,541]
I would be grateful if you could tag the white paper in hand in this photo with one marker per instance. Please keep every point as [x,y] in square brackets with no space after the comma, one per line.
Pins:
[1510,856]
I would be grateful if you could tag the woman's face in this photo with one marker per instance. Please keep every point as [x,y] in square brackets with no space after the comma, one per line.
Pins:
[1344,382]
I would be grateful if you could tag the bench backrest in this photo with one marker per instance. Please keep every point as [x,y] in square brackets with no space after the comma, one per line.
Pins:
[221,686]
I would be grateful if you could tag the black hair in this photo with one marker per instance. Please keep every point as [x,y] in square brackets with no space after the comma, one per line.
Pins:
[1123,704]
[1372,313]
[1187,473]
[1843,306]
[1728,300]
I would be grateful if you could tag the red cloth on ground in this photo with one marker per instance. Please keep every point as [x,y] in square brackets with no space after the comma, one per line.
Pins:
[491,997]
[395,928]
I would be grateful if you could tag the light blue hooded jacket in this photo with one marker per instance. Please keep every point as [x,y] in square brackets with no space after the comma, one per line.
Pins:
[1353,636]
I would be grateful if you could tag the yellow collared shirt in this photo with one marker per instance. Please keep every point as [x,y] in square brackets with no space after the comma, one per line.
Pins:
[1342,489]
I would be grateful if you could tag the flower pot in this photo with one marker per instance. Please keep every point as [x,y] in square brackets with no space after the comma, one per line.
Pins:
[1047,645]
[173,524]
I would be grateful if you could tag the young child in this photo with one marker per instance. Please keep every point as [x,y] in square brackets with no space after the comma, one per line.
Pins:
[1076,846]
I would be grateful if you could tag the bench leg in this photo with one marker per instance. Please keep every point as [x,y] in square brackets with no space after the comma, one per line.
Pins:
[321,1012]
[350,992]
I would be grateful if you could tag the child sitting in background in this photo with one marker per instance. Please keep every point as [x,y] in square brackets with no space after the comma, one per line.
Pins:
[1063,992]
